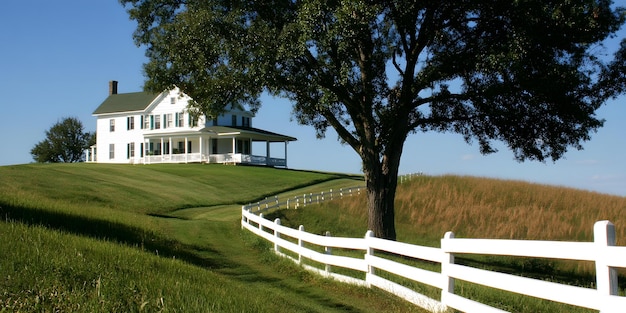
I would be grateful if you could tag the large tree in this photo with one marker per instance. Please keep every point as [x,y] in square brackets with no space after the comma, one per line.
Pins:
[528,73]
[65,142]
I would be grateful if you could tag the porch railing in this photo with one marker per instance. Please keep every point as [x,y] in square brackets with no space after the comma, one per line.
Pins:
[233,158]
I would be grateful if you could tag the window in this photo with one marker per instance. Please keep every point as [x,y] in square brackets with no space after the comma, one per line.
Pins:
[234,121]
[173,100]
[193,120]
[146,122]
[157,121]
[130,153]
[243,146]
[245,121]
[111,151]
[181,121]
[215,121]
[130,123]
[214,146]
[169,121]
[112,125]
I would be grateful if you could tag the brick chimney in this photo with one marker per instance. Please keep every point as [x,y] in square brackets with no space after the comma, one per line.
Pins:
[112,87]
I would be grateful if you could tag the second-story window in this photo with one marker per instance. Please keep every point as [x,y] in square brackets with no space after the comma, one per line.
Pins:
[170,120]
[245,121]
[157,121]
[112,125]
[234,121]
[193,121]
[146,122]
[130,123]
[180,119]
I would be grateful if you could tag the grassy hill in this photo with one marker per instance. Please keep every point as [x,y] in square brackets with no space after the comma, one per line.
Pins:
[166,238]
[158,238]
[427,207]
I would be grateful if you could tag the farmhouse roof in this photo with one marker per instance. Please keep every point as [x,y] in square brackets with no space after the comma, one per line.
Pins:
[254,133]
[126,102]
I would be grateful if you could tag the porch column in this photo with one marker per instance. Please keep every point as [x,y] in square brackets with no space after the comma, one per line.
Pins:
[267,153]
[146,150]
[286,142]
[234,145]
[86,155]
[93,154]
[200,144]
[162,149]
[186,150]
[170,147]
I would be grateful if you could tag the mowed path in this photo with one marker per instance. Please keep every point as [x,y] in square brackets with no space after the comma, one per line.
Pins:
[215,235]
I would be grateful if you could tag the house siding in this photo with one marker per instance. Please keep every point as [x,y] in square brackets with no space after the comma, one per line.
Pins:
[176,133]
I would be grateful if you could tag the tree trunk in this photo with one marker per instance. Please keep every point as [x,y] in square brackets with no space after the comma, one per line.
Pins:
[381,194]
[381,181]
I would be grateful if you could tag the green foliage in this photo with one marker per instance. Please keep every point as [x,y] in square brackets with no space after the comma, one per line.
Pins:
[65,143]
[527,73]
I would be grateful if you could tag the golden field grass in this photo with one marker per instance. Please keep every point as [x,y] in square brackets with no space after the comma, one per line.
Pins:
[475,207]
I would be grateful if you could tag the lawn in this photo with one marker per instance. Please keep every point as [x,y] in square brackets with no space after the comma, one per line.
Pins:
[157,238]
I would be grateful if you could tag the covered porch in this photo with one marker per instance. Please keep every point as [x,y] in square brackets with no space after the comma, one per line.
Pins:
[216,144]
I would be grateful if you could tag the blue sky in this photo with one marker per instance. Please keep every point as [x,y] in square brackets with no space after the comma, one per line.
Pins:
[58,56]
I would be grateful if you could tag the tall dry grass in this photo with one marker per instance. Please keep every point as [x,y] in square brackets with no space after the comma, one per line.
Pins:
[475,207]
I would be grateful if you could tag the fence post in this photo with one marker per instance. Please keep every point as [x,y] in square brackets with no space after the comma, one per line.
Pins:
[369,252]
[606,276]
[260,225]
[322,196]
[340,193]
[304,199]
[287,203]
[328,251]
[276,235]
[277,203]
[331,194]
[300,243]
[448,260]
[244,219]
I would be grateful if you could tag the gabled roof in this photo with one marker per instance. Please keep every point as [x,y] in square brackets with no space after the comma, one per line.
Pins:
[126,102]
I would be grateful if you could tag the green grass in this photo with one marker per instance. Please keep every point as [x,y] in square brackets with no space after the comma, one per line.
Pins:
[158,238]
[166,238]
[427,207]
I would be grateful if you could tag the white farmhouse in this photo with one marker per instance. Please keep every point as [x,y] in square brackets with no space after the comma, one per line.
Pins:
[147,128]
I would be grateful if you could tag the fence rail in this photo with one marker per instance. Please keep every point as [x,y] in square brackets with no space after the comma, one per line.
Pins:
[602,251]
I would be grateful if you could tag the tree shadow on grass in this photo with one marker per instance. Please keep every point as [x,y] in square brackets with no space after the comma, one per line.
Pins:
[154,243]
[112,231]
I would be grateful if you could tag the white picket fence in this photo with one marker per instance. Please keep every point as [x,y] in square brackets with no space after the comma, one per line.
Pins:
[602,251]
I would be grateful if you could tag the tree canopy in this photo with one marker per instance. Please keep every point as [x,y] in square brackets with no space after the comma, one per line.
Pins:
[65,143]
[527,73]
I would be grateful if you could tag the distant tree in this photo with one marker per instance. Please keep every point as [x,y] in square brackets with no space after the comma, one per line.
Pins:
[528,73]
[65,143]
